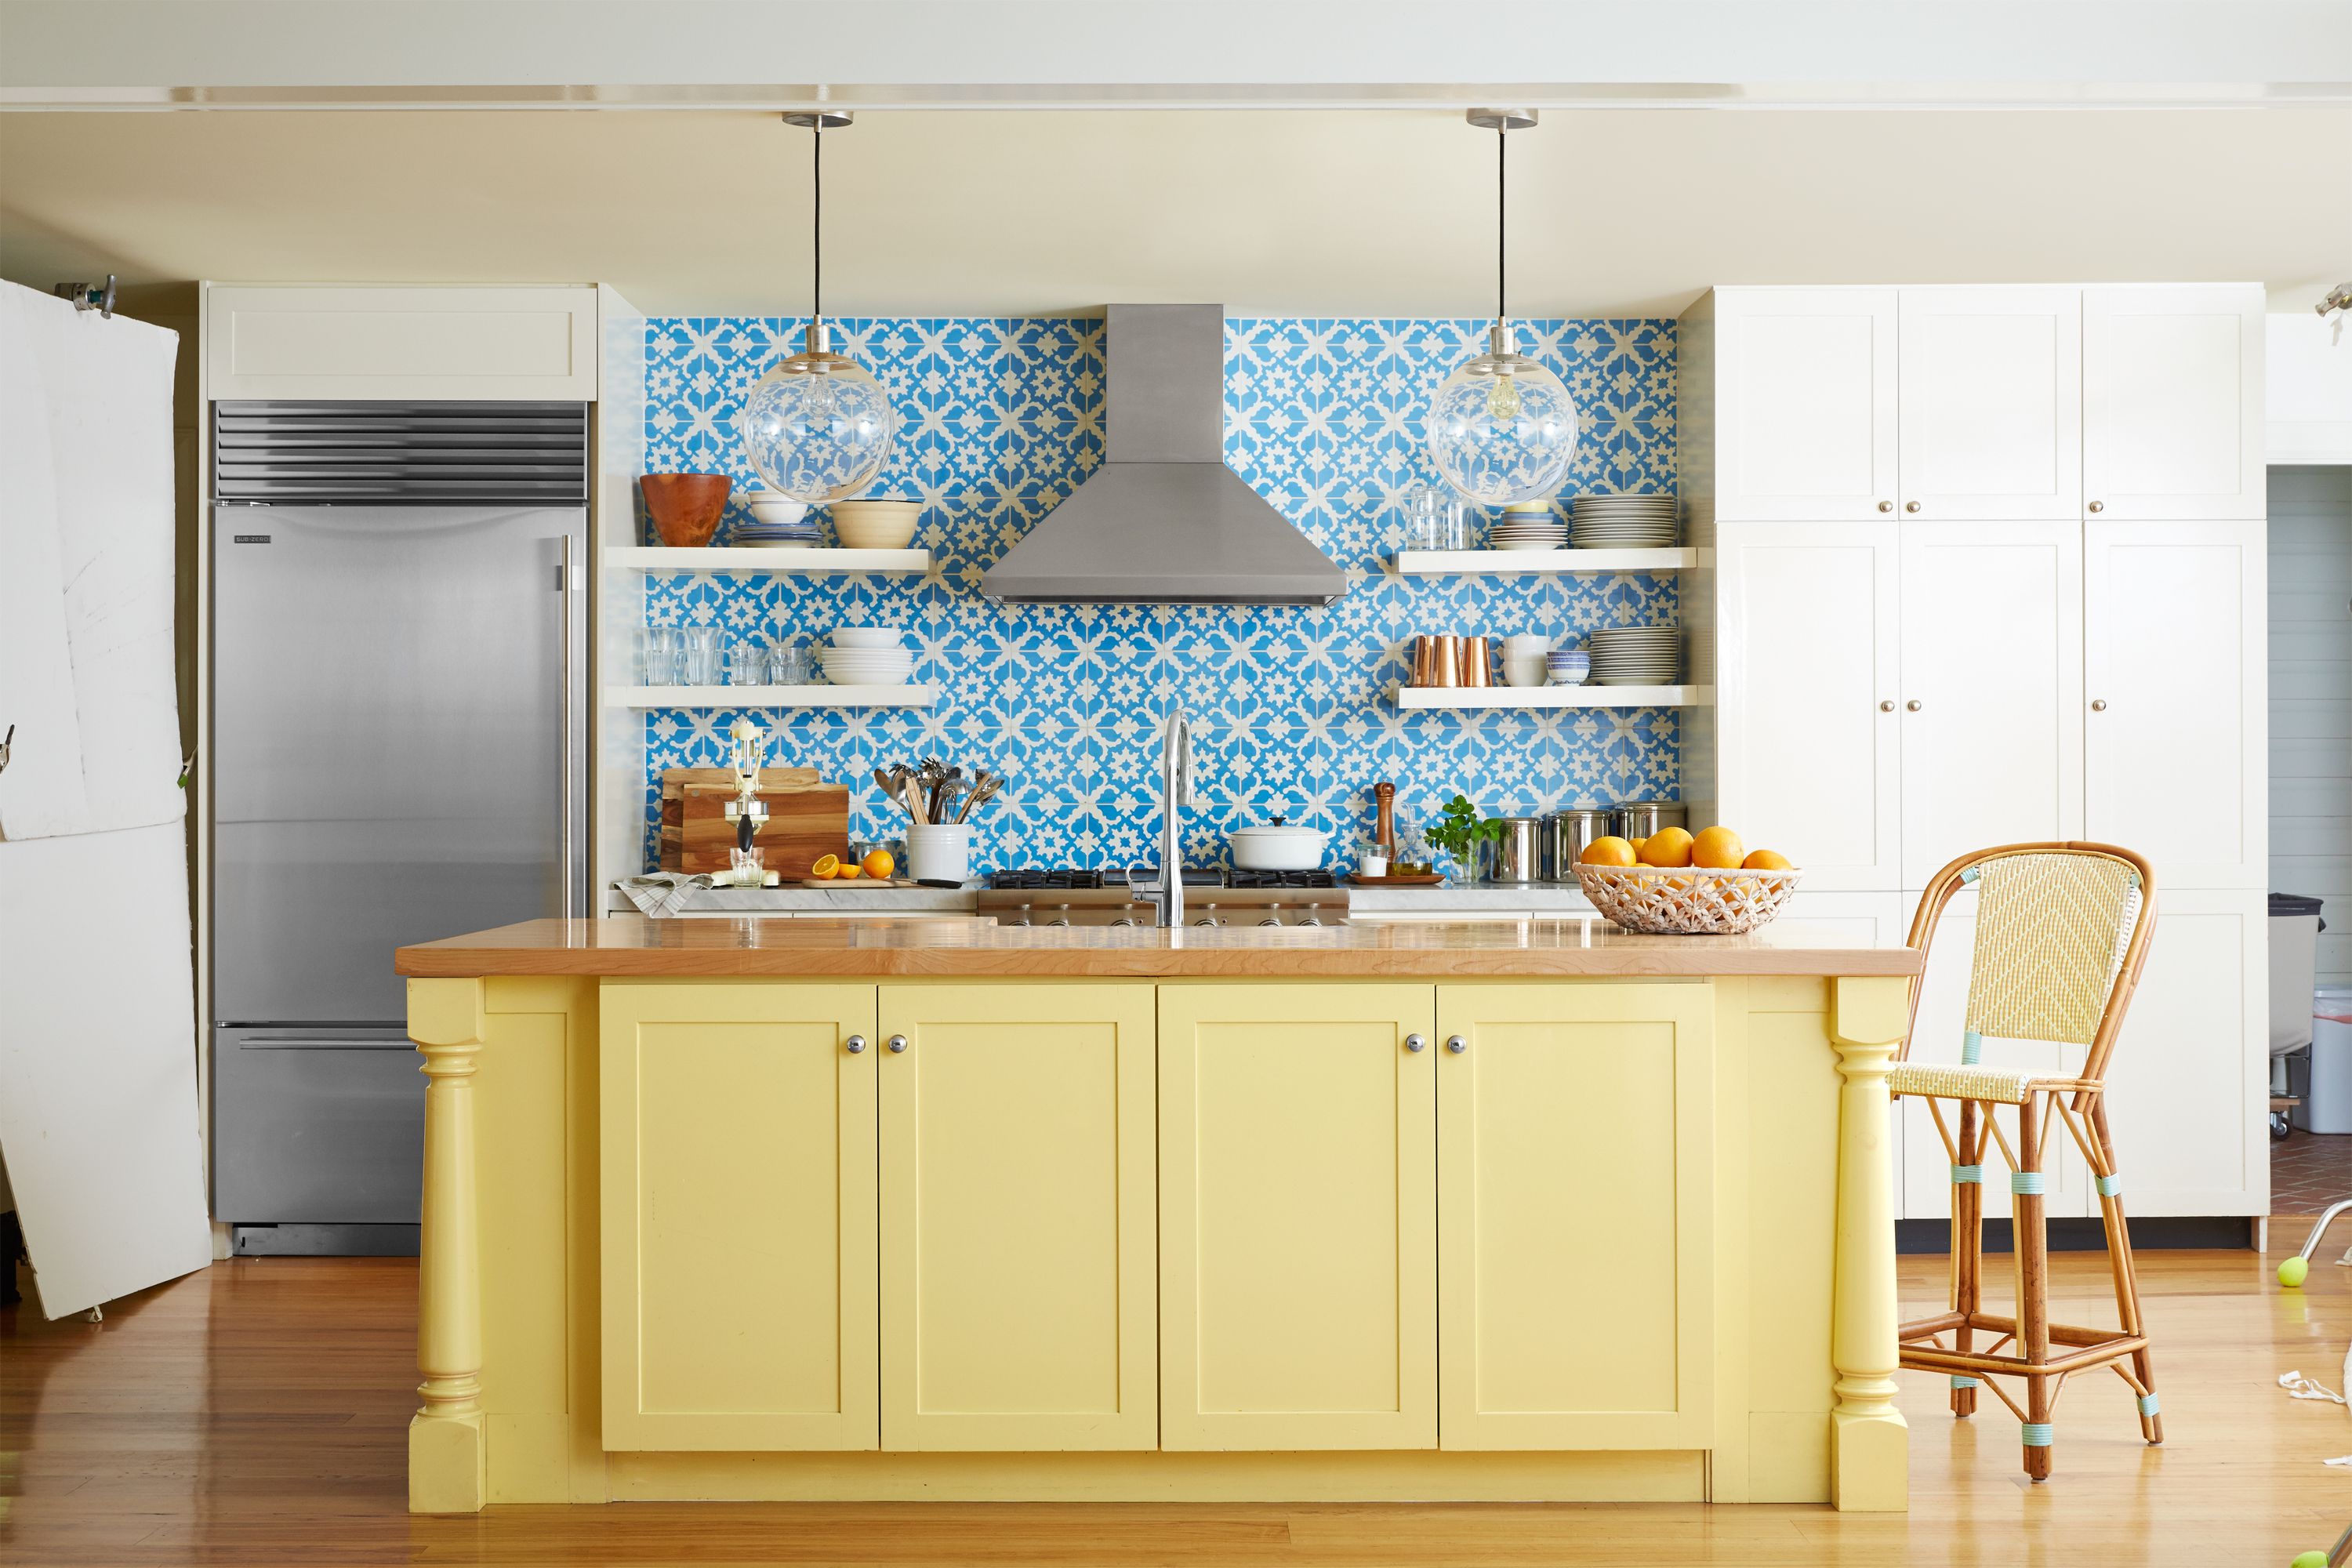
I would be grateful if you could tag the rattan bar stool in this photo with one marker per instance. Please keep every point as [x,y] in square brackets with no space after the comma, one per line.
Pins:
[2061,933]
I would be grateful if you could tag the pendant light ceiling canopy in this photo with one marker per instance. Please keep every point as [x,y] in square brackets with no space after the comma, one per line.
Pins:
[1502,428]
[817,425]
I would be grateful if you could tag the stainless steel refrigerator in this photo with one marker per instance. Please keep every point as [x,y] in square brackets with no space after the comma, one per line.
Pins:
[397,753]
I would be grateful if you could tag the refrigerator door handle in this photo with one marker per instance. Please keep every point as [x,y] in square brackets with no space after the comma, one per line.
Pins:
[563,699]
[294,1044]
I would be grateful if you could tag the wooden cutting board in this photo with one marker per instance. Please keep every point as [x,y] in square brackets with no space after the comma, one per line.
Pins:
[806,817]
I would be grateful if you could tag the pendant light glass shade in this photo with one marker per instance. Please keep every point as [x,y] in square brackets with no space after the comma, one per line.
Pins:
[818,425]
[1502,428]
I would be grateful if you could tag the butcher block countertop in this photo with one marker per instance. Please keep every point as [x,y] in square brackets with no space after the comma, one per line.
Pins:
[635,946]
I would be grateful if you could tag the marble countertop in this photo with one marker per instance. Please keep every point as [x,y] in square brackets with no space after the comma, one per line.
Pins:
[1535,897]
[1566,947]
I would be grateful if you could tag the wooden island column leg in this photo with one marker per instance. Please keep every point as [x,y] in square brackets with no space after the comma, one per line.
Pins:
[1870,1444]
[448,1455]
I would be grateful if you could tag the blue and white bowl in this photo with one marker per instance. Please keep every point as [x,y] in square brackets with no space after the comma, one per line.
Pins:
[1568,665]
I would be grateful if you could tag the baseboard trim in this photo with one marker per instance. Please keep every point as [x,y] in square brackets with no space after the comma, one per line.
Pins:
[2163,1232]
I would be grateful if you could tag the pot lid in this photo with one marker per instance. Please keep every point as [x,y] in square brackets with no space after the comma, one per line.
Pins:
[1276,828]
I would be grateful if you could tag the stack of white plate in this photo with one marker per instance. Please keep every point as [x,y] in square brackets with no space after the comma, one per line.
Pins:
[777,523]
[1635,656]
[1624,523]
[1527,525]
[866,655]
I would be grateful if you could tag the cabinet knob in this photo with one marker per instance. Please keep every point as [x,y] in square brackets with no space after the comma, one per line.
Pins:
[2099,506]
[1910,505]
[1914,705]
[2098,704]
[896,1043]
[1457,1044]
[1415,1043]
[1887,706]
[1886,506]
[857,1044]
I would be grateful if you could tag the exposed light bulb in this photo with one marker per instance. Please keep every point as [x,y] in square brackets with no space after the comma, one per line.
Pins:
[1503,403]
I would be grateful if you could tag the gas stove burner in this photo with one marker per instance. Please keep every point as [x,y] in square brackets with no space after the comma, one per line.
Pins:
[1283,879]
[1030,879]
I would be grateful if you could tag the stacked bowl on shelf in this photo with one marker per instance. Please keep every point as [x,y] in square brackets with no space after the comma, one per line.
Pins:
[876,524]
[866,655]
[1635,656]
[1625,522]
[1527,525]
[776,523]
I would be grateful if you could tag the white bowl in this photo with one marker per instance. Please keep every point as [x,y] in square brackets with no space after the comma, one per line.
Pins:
[876,524]
[776,511]
[867,638]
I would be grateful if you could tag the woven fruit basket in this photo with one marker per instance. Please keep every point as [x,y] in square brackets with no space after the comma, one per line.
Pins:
[1686,900]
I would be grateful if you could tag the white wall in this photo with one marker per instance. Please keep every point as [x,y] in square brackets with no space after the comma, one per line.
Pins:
[2311,698]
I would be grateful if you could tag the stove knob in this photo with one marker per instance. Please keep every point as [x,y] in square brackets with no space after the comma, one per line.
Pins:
[1061,917]
[1208,920]
[1023,919]
[1271,920]
[1310,920]
[1127,920]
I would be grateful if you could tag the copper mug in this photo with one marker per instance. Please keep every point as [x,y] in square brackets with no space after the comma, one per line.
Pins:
[1437,660]
[1478,661]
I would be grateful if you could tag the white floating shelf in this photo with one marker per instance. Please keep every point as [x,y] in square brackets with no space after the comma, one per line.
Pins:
[770,696]
[1528,563]
[751,561]
[1555,697]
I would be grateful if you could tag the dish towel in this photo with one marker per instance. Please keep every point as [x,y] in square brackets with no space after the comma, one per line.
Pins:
[2299,1386]
[662,894]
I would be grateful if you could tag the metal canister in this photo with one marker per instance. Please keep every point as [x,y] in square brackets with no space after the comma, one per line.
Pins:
[1565,835]
[1641,818]
[1517,856]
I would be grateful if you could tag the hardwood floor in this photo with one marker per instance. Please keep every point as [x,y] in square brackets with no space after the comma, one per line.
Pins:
[255,1413]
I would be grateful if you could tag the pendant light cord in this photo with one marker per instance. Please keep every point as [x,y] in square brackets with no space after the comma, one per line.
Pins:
[816,225]
[1502,220]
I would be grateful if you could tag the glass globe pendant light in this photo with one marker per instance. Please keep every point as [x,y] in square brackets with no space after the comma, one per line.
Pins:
[1502,428]
[817,425]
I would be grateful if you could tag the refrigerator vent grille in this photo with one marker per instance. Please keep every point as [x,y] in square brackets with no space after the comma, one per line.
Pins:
[379,453]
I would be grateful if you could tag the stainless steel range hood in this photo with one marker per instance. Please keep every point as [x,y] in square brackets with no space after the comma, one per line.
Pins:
[1164,519]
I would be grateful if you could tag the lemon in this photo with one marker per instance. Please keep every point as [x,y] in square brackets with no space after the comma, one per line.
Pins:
[1767,860]
[1608,850]
[1718,847]
[825,867]
[1668,847]
[879,865]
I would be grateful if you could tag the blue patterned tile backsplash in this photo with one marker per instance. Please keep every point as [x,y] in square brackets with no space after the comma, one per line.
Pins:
[1000,420]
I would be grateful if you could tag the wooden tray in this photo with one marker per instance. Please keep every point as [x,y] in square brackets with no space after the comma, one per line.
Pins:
[1427,879]
[844,884]
[806,819]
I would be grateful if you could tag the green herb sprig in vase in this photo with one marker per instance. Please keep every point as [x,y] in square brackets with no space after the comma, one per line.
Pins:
[1459,830]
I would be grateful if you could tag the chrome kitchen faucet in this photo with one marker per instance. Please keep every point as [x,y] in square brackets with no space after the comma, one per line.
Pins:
[1176,792]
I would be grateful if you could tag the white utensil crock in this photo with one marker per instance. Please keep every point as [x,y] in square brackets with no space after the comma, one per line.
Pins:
[940,853]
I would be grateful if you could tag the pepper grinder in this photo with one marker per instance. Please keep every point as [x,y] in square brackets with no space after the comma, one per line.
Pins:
[1384,824]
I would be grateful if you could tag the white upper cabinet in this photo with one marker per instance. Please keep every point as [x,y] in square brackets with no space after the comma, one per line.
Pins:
[1992,402]
[303,340]
[1992,683]
[2177,689]
[1806,697]
[1804,403]
[2172,401]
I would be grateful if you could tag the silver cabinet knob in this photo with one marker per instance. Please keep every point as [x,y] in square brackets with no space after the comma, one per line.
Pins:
[1886,506]
[1914,705]
[2099,506]
[1457,1044]
[2098,704]
[857,1044]
[1416,1043]
[896,1043]
[1887,706]
[1910,505]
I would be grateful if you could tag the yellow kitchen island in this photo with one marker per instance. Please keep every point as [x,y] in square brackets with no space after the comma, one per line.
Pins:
[807,1209]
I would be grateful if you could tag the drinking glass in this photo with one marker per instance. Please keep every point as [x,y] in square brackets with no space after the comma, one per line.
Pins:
[748,663]
[790,664]
[664,647]
[700,665]
[1434,519]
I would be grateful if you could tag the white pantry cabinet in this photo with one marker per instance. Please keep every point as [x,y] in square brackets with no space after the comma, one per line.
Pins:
[2175,676]
[1992,680]
[1806,697]
[1992,402]
[2172,401]
[1804,400]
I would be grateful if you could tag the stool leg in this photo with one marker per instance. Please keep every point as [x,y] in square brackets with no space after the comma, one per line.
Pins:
[2126,1272]
[1967,1247]
[2026,1223]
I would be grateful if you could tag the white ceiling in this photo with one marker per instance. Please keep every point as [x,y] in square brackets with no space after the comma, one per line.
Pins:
[1618,212]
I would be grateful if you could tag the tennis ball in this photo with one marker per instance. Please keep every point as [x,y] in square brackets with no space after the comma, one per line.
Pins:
[2309,1559]
[2292,1274]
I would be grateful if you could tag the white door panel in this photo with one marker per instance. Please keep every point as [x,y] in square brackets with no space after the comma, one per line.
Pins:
[1806,401]
[1992,403]
[2172,401]
[2176,752]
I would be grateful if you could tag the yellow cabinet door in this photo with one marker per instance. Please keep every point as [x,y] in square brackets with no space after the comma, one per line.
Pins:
[1017,1243]
[737,1173]
[1298,1216]
[1575,1172]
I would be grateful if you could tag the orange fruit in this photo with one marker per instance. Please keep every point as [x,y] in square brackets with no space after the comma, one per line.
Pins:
[849,872]
[1637,844]
[1716,846]
[1668,847]
[878,864]
[1767,860]
[826,866]
[1608,850]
